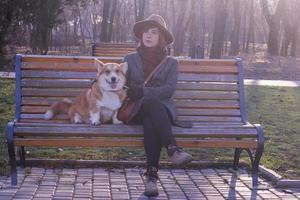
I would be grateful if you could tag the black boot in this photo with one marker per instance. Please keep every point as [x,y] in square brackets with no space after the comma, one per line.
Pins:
[178,156]
[151,182]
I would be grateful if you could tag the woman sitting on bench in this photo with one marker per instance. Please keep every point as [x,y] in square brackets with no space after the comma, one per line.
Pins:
[154,107]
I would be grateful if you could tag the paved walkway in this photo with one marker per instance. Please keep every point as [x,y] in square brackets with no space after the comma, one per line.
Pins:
[102,183]
[282,83]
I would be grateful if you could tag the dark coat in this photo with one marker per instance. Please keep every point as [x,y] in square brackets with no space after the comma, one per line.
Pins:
[162,86]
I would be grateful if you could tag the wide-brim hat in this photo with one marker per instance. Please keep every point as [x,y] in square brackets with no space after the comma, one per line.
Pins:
[157,21]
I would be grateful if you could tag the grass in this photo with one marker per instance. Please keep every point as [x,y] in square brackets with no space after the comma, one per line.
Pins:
[7,99]
[276,108]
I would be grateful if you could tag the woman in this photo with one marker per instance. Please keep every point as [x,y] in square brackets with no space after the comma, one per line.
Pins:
[154,109]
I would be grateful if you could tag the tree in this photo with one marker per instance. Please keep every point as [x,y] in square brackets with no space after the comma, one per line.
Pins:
[219,28]
[194,30]
[290,23]
[273,20]
[179,29]
[109,10]
[139,9]
[44,16]
[235,34]
[250,35]
[10,13]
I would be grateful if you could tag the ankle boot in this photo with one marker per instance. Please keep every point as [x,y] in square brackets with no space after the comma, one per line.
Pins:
[178,156]
[151,182]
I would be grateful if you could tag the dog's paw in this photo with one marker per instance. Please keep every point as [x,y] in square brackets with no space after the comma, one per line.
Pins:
[77,119]
[48,115]
[95,123]
[117,122]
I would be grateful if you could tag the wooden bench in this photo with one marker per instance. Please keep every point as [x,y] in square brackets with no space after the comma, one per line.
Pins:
[209,92]
[104,49]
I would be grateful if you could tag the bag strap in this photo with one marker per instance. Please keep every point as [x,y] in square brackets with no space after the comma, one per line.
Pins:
[150,76]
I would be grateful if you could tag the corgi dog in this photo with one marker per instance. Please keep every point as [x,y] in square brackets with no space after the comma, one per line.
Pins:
[100,103]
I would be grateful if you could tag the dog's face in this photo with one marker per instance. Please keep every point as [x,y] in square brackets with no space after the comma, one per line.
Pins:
[111,76]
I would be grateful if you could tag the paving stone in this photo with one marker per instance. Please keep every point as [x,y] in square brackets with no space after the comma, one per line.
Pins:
[101,183]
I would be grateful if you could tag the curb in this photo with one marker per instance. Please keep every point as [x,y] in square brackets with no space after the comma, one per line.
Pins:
[278,83]
[277,179]
[10,75]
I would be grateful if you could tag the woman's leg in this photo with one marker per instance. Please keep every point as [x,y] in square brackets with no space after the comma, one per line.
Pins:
[152,143]
[160,119]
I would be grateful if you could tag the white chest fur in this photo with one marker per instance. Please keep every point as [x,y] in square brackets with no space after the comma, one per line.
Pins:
[109,100]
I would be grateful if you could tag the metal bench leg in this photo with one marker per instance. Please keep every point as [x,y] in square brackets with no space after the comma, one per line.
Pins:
[11,153]
[237,154]
[22,156]
[259,150]
[258,154]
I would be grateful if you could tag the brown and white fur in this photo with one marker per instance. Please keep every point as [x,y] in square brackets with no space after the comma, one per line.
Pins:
[100,103]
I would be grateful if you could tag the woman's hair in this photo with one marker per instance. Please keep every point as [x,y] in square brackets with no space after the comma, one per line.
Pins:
[162,43]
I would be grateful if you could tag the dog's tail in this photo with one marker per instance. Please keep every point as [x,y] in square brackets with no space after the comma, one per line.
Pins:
[58,108]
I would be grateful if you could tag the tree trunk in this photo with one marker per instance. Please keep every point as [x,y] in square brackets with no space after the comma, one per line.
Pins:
[139,8]
[219,29]
[111,19]
[235,34]
[179,29]
[273,21]
[294,43]
[193,27]
[75,30]
[201,46]
[250,35]
[104,24]
[81,25]
[290,17]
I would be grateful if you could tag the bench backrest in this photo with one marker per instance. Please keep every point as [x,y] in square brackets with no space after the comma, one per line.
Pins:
[104,49]
[208,91]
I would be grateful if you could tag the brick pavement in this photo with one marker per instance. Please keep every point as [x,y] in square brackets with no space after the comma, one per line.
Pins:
[127,183]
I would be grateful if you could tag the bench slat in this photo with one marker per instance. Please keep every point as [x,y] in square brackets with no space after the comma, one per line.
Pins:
[90,59]
[228,104]
[208,69]
[62,83]
[109,44]
[215,112]
[209,118]
[208,77]
[206,86]
[180,117]
[92,75]
[203,125]
[45,66]
[55,83]
[195,112]
[179,94]
[128,131]
[208,62]
[89,67]
[134,142]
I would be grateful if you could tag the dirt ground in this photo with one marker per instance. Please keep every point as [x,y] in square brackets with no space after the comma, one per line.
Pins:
[271,68]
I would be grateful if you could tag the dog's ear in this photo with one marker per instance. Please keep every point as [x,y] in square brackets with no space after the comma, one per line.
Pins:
[98,65]
[124,67]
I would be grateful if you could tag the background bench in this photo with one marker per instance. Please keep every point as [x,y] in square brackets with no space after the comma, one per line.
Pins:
[210,93]
[112,49]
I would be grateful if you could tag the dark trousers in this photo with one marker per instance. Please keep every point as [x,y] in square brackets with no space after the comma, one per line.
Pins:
[156,122]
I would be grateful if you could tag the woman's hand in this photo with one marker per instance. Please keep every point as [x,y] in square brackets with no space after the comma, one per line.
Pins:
[135,93]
